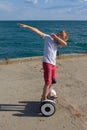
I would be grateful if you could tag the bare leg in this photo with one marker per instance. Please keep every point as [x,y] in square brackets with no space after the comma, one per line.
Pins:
[50,92]
[45,92]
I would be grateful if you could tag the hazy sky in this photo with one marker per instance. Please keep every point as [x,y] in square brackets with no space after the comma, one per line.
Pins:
[43,9]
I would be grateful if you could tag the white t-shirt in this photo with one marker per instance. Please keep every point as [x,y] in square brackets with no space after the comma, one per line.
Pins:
[50,50]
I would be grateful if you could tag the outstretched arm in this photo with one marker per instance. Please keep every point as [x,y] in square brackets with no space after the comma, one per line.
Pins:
[33,29]
[58,40]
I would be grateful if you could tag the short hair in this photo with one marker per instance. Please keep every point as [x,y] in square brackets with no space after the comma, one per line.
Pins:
[64,34]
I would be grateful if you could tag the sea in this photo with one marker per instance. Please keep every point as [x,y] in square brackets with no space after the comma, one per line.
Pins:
[16,42]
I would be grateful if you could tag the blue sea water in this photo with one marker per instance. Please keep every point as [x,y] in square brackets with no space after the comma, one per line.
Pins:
[16,42]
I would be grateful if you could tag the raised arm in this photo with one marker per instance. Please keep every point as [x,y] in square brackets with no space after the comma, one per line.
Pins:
[58,40]
[33,29]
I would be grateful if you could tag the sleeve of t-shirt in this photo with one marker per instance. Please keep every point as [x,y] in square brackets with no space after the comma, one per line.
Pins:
[45,36]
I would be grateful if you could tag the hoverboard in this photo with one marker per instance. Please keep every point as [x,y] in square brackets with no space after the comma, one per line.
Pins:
[47,107]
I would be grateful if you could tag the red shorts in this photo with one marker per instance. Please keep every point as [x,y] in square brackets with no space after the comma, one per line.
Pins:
[49,73]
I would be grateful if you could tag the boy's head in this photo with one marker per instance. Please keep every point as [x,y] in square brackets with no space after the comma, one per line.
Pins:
[63,35]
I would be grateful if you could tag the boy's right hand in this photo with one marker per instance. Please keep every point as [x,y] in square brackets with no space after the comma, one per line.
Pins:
[21,25]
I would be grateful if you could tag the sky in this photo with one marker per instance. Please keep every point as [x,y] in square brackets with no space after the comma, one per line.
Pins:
[43,9]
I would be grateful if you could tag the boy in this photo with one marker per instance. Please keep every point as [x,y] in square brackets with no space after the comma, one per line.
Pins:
[52,41]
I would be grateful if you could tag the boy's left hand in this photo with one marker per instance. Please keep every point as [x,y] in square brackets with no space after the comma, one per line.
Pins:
[53,35]
[55,38]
